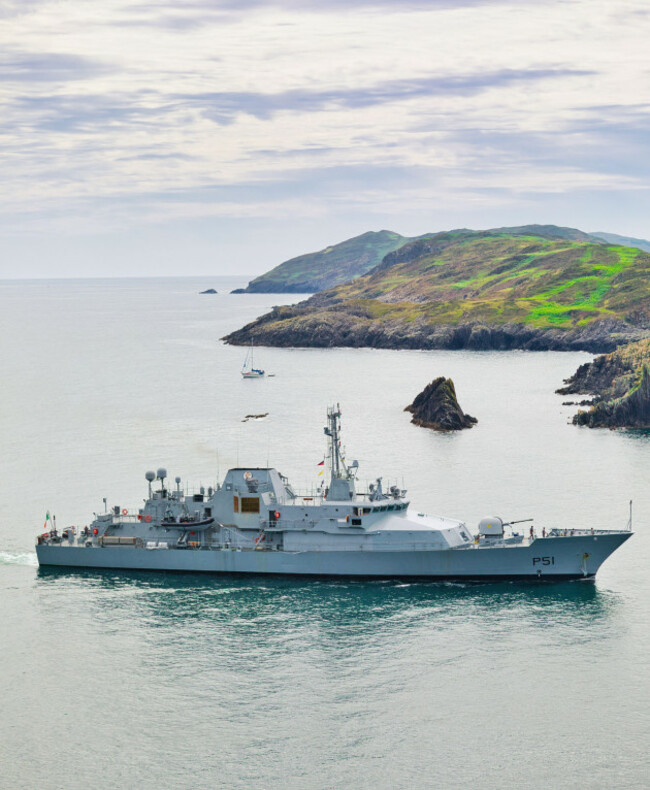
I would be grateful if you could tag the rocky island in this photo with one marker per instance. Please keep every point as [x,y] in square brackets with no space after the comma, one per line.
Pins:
[535,288]
[437,407]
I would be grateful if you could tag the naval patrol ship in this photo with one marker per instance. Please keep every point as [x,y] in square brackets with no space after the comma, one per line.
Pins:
[254,522]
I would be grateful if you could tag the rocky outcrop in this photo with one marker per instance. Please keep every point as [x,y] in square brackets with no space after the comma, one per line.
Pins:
[630,411]
[620,386]
[437,407]
[209,291]
[340,325]
[611,375]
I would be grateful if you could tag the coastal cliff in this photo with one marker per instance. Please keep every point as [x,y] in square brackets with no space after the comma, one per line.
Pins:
[437,407]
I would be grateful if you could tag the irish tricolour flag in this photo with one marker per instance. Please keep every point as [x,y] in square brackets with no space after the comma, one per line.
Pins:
[46,526]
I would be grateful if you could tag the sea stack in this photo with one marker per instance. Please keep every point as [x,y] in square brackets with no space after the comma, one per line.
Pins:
[437,407]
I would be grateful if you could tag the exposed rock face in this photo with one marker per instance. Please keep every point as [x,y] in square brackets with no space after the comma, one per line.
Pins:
[620,385]
[346,326]
[608,376]
[209,291]
[630,411]
[437,407]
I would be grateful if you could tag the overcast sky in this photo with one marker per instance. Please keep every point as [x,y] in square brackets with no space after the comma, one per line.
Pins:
[225,136]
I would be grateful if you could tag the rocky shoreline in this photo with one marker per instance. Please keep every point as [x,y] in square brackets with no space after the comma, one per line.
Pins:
[630,411]
[620,385]
[301,327]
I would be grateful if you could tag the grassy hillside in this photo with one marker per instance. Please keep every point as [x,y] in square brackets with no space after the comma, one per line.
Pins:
[501,278]
[329,267]
[626,241]
[536,284]
[549,232]
[317,271]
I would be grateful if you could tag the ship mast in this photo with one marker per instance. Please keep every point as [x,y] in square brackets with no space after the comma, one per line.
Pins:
[342,477]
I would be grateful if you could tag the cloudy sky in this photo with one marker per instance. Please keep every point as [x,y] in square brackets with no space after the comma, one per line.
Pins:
[224,136]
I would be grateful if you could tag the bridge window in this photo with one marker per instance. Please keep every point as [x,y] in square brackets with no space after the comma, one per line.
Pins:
[250,504]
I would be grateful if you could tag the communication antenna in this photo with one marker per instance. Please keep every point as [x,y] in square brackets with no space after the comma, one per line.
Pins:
[150,477]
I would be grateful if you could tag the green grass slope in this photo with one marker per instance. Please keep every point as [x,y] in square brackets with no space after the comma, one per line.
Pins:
[354,257]
[501,278]
[525,291]
[549,232]
[337,264]
[626,241]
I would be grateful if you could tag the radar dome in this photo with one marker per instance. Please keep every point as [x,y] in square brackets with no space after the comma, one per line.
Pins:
[161,473]
[177,480]
[150,476]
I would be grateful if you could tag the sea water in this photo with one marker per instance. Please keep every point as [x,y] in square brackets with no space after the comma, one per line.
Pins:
[147,680]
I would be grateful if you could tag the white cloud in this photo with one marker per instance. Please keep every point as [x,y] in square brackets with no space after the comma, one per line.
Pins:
[226,109]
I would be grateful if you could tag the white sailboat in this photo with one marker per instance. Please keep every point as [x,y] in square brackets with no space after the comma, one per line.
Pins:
[249,371]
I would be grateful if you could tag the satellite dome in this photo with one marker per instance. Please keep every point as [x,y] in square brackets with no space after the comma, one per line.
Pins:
[177,480]
[161,473]
[150,476]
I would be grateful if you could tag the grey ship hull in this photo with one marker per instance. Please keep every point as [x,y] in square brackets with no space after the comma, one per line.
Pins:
[550,558]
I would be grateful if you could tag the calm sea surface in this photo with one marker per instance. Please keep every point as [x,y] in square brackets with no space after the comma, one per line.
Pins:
[136,680]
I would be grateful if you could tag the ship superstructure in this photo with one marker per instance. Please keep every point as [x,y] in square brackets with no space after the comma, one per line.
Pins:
[254,522]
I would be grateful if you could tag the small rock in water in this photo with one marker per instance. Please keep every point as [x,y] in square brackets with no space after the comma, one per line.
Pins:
[437,407]
[255,417]
[209,291]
